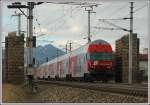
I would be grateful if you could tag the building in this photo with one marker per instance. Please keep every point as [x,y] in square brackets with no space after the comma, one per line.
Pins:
[122,62]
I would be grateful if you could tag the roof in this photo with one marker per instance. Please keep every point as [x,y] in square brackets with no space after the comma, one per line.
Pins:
[143,57]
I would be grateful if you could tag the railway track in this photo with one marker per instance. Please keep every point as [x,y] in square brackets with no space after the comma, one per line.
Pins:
[134,90]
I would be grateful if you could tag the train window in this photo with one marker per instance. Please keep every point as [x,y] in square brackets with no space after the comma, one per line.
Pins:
[101,56]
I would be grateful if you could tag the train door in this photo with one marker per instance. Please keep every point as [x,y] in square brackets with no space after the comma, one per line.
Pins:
[66,67]
[82,65]
[41,72]
[69,70]
[52,72]
[46,71]
[59,69]
[78,67]
[73,66]
[63,67]
[49,70]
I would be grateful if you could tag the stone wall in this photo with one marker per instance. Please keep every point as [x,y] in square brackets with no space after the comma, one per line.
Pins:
[14,58]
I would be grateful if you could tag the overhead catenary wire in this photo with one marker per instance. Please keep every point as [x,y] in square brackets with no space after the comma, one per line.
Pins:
[115,19]
[75,3]
[117,27]
[138,9]
[60,17]
[38,23]
[118,10]
[77,8]
[124,18]
[57,19]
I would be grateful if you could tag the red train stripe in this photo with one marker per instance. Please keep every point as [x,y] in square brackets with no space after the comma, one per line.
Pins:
[99,48]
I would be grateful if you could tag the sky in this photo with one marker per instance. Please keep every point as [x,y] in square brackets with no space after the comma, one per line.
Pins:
[62,22]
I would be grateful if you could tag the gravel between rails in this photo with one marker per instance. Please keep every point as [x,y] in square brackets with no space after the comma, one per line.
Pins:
[49,93]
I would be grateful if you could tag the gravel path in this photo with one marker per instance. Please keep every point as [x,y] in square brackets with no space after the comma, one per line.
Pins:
[12,93]
[62,94]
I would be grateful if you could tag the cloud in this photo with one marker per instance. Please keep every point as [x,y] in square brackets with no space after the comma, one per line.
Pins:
[65,22]
[41,31]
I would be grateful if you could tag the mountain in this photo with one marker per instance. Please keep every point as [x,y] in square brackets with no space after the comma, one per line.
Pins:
[41,53]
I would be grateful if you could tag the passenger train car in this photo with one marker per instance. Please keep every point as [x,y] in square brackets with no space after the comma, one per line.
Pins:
[90,62]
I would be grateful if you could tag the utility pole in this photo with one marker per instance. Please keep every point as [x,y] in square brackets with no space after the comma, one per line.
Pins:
[89,27]
[67,46]
[130,45]
[30,21]
[70,46]
[30,44]
[89,37]
[19,22]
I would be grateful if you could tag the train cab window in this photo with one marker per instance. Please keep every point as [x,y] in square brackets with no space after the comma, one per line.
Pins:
[87,56]
[101,56]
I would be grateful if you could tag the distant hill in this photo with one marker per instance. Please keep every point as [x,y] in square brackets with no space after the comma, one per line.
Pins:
[41,53]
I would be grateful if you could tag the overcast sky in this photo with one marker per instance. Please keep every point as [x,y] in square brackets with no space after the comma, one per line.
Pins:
[60,22]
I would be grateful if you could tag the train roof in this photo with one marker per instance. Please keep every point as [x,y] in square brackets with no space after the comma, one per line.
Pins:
[99,41]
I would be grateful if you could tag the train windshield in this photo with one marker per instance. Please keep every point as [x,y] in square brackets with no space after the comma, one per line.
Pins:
[100,56]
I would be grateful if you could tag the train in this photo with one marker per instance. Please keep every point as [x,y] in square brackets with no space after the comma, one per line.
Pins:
[90,62]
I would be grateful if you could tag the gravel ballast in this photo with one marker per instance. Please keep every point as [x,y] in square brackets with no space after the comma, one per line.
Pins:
[61,94]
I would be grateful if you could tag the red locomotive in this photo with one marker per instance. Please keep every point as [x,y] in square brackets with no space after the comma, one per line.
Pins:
[90,62]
